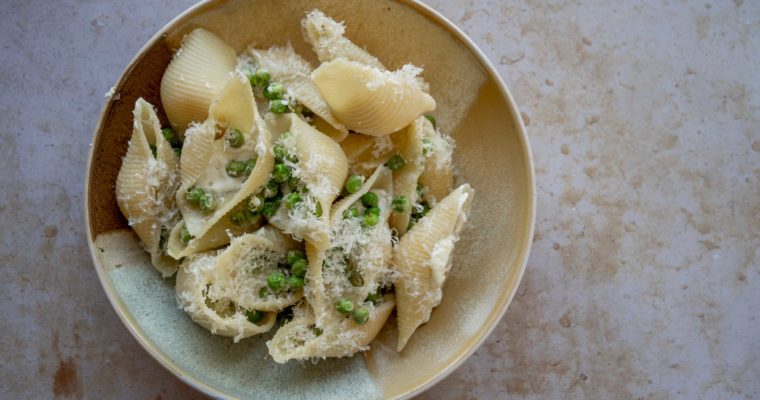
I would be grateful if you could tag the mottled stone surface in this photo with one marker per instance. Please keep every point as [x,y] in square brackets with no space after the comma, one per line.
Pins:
[644,279]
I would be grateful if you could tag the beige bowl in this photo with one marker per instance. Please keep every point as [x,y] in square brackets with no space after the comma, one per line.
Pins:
[492,154]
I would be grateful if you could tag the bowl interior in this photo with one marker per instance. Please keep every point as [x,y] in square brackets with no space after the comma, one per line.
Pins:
[492,154]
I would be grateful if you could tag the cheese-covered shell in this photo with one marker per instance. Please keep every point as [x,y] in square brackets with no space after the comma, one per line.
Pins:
[370,101]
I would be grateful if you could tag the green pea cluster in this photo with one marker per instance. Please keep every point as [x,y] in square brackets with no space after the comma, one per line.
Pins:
[360,314]
[290,277]
[199,198]
[273,91]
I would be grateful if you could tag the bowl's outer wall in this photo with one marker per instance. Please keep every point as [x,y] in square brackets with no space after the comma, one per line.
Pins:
[492,154]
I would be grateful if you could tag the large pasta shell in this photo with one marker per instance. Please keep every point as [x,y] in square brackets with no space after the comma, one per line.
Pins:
[288,68]
[370,101]
[423,258]
[195,77]
[326,38]
[193,278]
[438,175]
[408,145]
[146,184]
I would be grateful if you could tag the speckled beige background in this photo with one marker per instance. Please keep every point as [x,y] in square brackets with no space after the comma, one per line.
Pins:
[644,279]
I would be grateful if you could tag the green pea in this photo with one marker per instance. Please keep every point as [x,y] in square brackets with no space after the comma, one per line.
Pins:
[237,217]
[427,146]
[273,188]
[354,183]
[400,204]
[376,297]
[396,162]
[278,106]
[250,164]
[425,209]
[207,203]
[292,200]
[279,153]
[344,306]
[370,199]
[373,210]
[281,173]
[431,119]
[235,168]
[293,183]
[295,282]
[254,316]
[153,150]
[260,78]
[355,278]
[370,220]
[264,292]
[171,137]
[360,315]
[295,255]
[194,194]
[317,331]
[185,235]
[270,208]
[318,210]
[235,138]
[352,212]
[274,91]
[298,268]
[276,281]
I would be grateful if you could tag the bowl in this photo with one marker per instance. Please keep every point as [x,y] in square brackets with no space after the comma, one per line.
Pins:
[492,154]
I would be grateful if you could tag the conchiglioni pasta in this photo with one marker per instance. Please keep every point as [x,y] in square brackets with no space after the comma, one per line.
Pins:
[146,184]
[322,195]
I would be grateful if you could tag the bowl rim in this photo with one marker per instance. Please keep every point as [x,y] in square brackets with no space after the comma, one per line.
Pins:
[495,316]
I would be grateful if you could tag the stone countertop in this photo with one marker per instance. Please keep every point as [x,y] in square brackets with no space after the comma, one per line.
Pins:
[644,278]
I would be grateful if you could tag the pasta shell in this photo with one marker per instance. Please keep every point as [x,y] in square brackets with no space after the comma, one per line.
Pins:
[288,68]
[438,175]
[145,185]
[218,235]
[409,145]
[195,77]
[366,153]
[370,101]
[330,131]
[326,38]
[192,279]
[423,259]
[204,159]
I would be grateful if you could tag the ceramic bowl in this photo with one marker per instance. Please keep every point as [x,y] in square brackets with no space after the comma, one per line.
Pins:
[492,154]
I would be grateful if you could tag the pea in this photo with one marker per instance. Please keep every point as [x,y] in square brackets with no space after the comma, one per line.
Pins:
[360,315]
[274,91]
[370,220]
[353,183]
[235,168]
[250,164]
[276,281]
[279,153]
[295,282]
[171,137]
[298,268]
[352,212]
[194,194]
[292,200]
[278,106]
[254,316]
[185,235]
[281,173]
[355,278]
[260,78]
[295,255]
[373,210]
[272,189]
[318,210]
[270,207]
[396,162]
[400,204]
[376,297]
[235,138]
[370,199]
[317,331]
[264,292]
[344,306]
[293,183]
[237,217]
[207,203]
